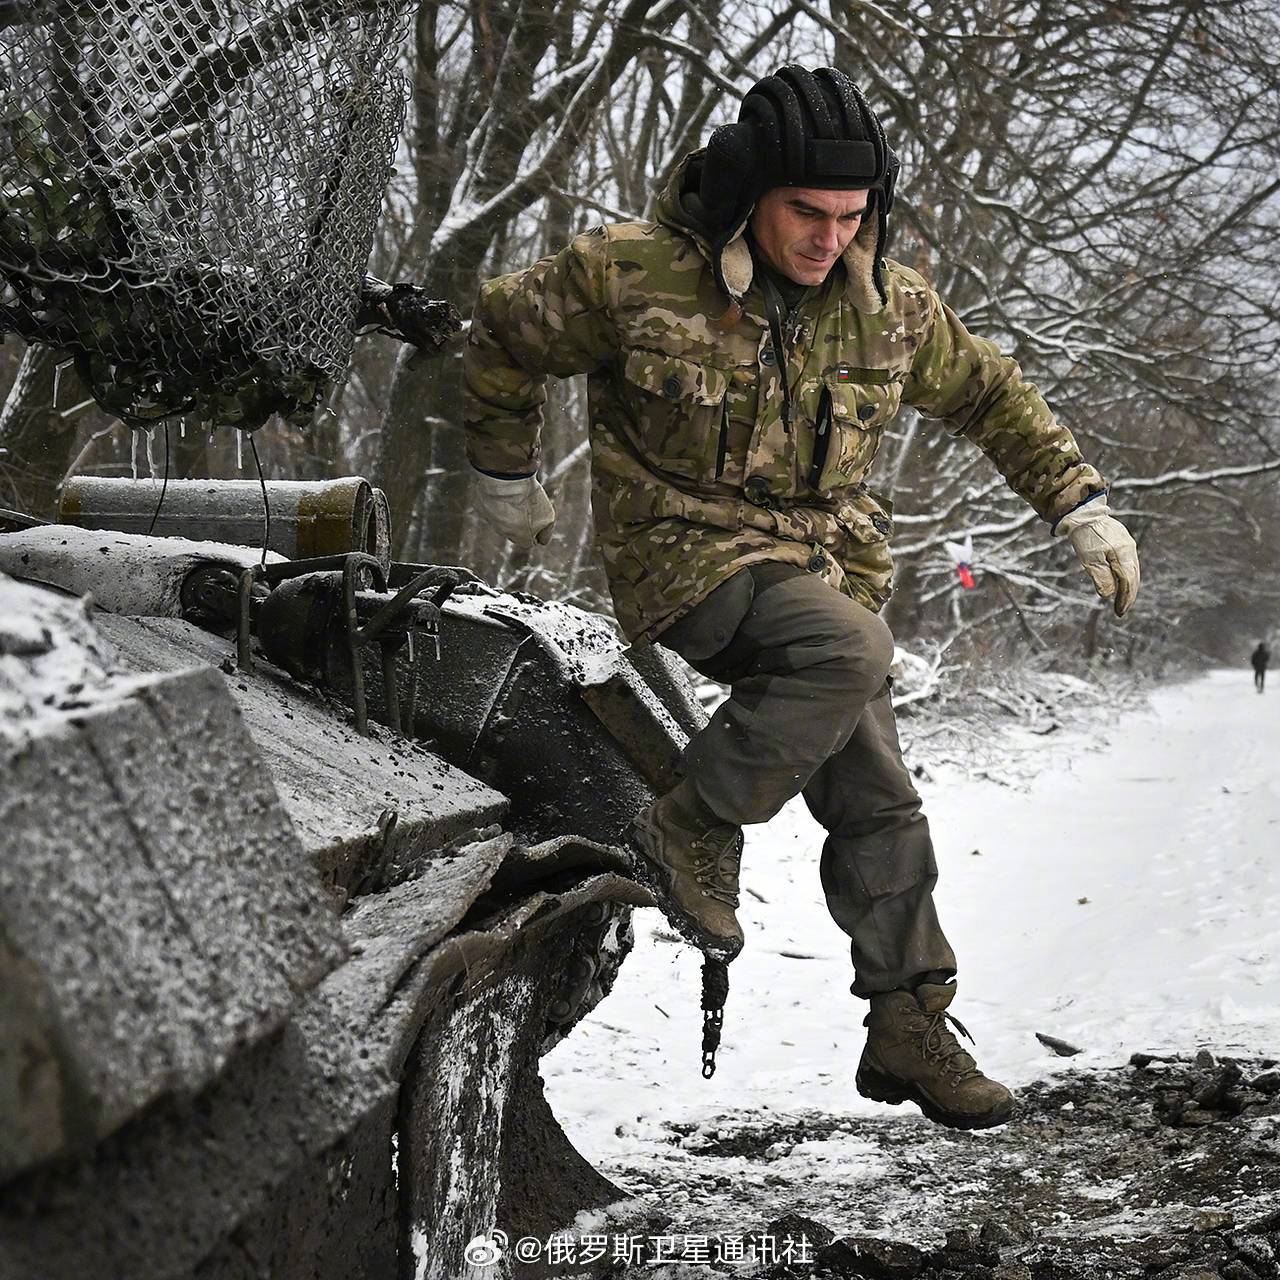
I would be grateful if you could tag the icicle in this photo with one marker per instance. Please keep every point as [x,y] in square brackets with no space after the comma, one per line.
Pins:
[151,452]
[58,371]
[133,454]
[239,450]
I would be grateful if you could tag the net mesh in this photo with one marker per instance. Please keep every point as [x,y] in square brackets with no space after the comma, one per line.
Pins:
[188,193]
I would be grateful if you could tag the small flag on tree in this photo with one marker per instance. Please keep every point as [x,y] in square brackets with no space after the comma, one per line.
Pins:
[962,554]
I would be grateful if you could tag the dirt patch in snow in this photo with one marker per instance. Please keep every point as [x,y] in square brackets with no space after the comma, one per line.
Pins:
[1165,1168]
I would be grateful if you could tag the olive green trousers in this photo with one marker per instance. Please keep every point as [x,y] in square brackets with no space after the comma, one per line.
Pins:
[809,713]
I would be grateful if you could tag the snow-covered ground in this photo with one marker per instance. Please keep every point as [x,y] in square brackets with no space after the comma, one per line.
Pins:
[1126,898]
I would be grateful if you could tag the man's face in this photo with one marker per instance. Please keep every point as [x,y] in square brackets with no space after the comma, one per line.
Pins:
[802,231]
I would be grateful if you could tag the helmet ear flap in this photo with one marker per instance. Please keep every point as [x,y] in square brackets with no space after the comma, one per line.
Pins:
[729,171]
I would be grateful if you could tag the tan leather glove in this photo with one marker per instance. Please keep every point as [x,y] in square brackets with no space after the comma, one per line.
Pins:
[519,509]
[1106,549]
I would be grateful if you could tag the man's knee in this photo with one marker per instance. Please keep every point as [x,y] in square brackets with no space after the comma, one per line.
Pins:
[804,627]
[877,642]
[787,621]
[856,642]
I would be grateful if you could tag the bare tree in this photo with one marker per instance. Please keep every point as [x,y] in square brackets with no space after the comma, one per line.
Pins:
[1092,183]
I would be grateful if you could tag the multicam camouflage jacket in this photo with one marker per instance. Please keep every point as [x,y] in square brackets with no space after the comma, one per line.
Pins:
[695,471]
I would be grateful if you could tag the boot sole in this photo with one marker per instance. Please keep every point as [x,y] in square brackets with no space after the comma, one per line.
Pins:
[647,873]
[880,1087]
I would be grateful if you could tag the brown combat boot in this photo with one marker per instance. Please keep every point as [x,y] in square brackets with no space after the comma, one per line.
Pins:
[912,1056]
[689,858]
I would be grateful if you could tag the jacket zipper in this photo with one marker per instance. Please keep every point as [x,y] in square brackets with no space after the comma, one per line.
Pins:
[822,437]
[774,310]
[724,437]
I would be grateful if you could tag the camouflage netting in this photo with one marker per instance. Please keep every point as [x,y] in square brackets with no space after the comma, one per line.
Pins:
[188,191]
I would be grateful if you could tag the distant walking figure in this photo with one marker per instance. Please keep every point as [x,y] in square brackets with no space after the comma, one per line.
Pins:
[1261,656]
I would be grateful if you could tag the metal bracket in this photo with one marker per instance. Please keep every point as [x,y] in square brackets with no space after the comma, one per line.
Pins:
[352,565]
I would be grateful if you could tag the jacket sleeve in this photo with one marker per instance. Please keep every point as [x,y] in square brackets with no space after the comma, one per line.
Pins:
[552,318]
[981,394]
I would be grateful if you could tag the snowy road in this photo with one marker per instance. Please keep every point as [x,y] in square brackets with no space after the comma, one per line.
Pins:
[1169,826]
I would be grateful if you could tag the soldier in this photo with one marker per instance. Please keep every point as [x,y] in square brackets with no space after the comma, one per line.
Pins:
[745,351]
[1261,659]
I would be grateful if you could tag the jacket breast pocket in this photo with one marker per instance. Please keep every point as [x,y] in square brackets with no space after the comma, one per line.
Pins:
[848,423]
[679,411]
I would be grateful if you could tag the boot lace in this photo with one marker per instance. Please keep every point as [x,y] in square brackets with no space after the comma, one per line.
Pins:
[716,868]
[936,1042]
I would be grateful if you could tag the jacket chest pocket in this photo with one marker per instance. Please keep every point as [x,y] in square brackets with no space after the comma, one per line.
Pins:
[680,412]
[848,423]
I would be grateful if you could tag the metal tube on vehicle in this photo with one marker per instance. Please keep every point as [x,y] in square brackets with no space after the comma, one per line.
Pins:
[308,517]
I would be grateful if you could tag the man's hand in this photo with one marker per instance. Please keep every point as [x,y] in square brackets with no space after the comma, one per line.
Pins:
[519,509]
[1106,549]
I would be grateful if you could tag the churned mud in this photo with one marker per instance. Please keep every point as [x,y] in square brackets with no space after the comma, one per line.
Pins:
[1166,1167]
